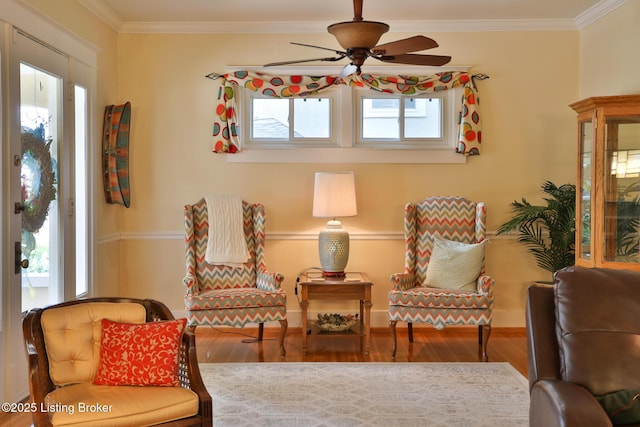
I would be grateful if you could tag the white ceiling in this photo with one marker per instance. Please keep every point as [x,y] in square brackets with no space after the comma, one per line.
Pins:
[311,16]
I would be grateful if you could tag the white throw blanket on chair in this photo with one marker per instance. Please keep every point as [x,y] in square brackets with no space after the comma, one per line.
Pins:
[226,242]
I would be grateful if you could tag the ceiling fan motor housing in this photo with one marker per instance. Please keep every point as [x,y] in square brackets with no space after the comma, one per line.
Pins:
[358,34]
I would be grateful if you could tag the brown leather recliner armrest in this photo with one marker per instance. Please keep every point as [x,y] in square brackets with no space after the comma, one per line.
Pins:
[564,404]
[542,342]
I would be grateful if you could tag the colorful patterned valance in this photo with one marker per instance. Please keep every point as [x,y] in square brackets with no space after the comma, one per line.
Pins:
[225,125]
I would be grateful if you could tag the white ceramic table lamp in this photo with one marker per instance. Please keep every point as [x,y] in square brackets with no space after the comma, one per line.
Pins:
[334,196]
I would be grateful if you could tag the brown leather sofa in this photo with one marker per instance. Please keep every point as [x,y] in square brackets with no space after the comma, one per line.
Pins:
[583,339]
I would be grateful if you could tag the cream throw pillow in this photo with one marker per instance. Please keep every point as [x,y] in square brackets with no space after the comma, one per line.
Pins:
[454,265]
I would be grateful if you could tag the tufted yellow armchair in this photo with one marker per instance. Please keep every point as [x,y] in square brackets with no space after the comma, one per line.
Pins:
[63,351]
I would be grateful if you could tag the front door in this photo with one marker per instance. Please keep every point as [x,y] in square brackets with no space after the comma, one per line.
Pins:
[47,87]
[38,139]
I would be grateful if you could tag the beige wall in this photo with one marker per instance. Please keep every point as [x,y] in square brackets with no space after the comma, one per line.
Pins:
[528,135]
[609,59]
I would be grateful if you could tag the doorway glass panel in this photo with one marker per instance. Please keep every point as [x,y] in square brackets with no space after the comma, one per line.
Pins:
[40,120]
[80,204]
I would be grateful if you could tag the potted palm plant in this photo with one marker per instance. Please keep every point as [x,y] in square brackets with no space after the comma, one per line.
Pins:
[548,230]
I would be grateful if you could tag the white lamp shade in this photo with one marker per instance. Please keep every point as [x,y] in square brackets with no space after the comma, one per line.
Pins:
[334,195]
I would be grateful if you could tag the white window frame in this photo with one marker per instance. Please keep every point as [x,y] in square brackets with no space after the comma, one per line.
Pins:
[245,114]
[346,149]
[451,104]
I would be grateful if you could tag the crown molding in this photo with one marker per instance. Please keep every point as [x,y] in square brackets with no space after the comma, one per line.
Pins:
[111,18]
[105,13]
[315,27]
[597,11]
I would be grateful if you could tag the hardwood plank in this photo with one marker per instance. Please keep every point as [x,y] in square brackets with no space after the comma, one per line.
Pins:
[228,345]
[448,345]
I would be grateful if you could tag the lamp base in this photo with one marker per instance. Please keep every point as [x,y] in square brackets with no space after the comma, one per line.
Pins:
[333,248]
[334,274]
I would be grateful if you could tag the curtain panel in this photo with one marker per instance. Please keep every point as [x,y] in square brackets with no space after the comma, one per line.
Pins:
[225,126]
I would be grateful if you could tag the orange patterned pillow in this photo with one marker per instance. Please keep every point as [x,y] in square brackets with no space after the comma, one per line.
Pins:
[142,354]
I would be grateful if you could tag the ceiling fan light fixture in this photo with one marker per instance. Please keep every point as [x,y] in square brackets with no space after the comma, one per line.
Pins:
[362,34]
[359,39]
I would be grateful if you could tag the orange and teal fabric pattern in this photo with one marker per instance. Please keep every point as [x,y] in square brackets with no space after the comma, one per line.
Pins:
[222,295]
[115,153]
[225,126]
[452,218]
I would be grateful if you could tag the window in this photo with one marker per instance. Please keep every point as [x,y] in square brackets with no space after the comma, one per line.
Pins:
[396,121]
[277,122]
[381,121]
[421,128]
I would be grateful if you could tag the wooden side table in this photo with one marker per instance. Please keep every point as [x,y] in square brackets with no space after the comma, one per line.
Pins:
[354,286]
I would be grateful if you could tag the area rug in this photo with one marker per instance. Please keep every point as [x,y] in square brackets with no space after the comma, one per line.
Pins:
[366,394]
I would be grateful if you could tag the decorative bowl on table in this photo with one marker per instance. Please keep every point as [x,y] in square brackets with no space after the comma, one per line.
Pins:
[335,322]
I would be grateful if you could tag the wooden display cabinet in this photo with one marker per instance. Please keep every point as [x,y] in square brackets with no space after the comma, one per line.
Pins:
[608,185]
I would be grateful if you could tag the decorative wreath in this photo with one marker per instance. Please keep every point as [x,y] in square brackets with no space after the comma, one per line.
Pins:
[38,181]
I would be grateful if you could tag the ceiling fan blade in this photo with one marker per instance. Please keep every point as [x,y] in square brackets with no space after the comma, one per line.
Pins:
[411,44]
[416,59]
[337,52]
[300,61]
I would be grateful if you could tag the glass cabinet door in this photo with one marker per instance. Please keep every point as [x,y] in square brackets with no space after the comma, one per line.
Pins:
[584,209]
[608,202]
[622,189]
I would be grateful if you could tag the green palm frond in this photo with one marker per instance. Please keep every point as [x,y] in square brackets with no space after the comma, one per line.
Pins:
[548,231]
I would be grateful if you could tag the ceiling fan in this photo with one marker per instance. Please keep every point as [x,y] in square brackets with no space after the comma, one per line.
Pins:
[359,38]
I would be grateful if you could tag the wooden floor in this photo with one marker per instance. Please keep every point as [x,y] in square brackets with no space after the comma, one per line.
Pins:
[449,345]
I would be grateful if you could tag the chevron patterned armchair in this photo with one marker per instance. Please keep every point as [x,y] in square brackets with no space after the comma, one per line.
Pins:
[448,232]
[231,296]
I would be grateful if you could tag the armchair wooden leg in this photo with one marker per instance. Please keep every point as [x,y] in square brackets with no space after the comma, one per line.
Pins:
[483,338]
[260,331]
[283,331]
[410,331]
[392,325]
